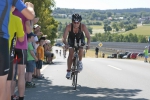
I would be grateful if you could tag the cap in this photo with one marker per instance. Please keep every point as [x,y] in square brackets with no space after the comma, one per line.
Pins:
[146,47]
[47,41]
[36,25]
[31,34]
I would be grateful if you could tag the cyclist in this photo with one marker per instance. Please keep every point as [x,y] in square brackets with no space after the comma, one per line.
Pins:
[75,30]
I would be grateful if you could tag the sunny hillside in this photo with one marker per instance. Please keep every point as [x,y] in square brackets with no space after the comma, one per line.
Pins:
[141,30]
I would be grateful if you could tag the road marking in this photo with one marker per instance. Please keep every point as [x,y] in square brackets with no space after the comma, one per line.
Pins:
[114,67]
[44,67]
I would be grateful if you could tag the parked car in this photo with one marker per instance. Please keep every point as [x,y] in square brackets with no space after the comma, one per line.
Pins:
[133,55]
[59,44]
[140,55]
[127,56]
[112,56]
[122,54]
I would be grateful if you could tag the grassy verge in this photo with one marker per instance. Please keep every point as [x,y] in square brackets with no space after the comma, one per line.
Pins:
[91,53]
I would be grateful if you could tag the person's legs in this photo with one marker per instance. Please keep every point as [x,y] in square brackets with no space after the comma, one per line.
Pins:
[8,92]
[69,62]
[80,65]
[3,80]
[70,57]
[22,56]
[4,66]
[80,54]
[21,79]
[9,79]
[13,82]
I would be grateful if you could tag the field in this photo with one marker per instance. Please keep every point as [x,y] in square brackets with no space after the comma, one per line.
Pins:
[141,30]
[96,28]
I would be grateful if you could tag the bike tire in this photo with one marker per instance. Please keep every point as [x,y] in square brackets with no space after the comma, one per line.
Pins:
[75,73]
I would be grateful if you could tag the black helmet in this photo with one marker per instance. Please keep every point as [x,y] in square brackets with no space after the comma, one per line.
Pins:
[76,17]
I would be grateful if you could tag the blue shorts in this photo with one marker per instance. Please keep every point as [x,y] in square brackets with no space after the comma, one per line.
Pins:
[39,64]
[30,66]
[146,56]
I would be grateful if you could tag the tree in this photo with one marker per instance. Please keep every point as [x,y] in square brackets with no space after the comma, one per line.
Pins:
[43,10]
[109,14]
[109,28]
[121,25]
[114,25]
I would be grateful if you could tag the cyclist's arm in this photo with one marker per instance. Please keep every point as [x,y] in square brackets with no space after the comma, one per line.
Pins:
[65,35]
[87,34]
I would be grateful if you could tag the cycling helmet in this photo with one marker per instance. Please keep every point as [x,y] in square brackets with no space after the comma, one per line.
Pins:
[76,18]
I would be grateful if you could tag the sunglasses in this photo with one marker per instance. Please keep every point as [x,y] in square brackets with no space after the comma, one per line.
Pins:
[76,22]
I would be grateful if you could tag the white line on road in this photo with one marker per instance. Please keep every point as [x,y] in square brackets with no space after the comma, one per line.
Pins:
[114,67]
[44,67]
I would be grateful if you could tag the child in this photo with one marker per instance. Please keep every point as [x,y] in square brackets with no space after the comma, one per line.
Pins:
[31,58]
[40,56]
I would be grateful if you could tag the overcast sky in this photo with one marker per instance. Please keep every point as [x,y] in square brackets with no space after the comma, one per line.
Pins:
[102,4]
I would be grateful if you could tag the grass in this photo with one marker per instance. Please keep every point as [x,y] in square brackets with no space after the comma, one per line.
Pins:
[96,26]
[63,20]
[91,53]
[141,30]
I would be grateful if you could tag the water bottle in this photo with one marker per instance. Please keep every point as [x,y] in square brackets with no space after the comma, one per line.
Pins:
[75,42]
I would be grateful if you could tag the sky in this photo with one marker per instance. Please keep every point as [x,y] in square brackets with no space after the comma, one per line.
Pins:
[102,4]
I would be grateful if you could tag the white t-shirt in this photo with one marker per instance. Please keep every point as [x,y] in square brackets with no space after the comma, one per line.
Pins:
[35,44]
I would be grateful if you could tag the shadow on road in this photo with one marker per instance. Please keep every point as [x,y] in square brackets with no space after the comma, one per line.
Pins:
[55,63]
[46,91]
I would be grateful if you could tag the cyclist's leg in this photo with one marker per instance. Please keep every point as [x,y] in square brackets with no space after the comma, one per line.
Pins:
[70,57]
[80,54]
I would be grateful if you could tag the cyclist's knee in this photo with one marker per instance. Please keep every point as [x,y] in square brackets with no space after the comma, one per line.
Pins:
[70,55]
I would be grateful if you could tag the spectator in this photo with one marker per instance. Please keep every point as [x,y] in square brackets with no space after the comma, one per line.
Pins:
[96,51]
[40,56]
[31,58]
[146,53]
[47,48]
[4,36]
[21,53]
[15,31]
[103,55]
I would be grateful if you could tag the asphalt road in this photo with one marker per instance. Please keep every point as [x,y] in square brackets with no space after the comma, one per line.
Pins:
[101,79]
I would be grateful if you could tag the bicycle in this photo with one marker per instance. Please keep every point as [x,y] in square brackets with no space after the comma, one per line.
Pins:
[74,68]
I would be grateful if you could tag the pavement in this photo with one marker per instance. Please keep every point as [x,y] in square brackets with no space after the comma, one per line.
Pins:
[101,79]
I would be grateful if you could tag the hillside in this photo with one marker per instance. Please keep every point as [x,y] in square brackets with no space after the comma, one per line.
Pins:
[141,30]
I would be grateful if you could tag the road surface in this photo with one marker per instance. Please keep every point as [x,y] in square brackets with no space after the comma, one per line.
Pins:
[101,79]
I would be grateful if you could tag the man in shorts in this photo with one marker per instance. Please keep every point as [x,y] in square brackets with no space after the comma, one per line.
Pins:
[21,52]
[15,31]
[5,7]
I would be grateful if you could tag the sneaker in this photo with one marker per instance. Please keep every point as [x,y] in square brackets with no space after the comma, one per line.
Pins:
[30,85]
[80,66]
[68,75]
[15,97]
